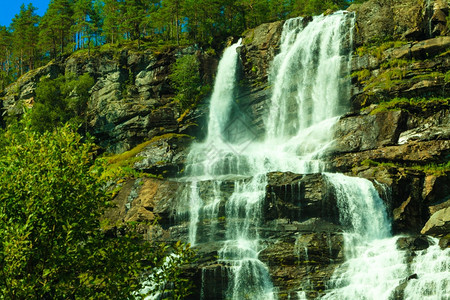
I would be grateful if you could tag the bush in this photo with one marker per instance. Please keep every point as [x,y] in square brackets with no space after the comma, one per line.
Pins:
[51,200]
[186,80]
[61,100]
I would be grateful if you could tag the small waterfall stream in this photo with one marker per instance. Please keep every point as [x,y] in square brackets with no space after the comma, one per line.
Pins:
[373,266]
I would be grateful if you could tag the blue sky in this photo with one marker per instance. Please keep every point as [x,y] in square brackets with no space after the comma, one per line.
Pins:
[9,8]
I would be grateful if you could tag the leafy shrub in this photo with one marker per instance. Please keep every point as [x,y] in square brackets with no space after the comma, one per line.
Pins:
[186,80]
[52,196]
[61,100]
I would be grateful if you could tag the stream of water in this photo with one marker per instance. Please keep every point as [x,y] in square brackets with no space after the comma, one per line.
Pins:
[310,90]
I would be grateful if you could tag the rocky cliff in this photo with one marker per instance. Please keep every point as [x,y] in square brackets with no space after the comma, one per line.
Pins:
[396,134]
[132,99]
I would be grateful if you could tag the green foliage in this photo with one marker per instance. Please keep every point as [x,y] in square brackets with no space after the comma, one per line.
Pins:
[316,7]
[431,169]
[60,100]
[186,80]
[377,47]
[50,203]
[168,275]
[412,104]
[362,75]
[24,37]
[447,77]
[52,196]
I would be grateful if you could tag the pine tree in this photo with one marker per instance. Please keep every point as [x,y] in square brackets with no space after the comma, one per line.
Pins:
[135,12]
[82,27]
[5,57]
[55,26]
[25,32]
[112,19]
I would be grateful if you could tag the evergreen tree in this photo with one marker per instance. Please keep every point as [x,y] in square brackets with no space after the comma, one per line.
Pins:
[112,18]
[135,12]
[5,57]
[25,34]
[82,27]
[55,26]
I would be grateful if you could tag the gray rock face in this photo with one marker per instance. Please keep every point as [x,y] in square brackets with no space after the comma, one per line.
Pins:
[368,132]
[131,100]
[439,223]
[406,19]
[164,155]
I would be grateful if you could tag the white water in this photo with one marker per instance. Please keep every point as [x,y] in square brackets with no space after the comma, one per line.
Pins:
[432,267]
[305,105]
[373,266]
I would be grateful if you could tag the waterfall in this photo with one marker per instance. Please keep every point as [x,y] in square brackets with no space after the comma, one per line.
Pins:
[309,89]
[373,267]
[309,83]
[432,267]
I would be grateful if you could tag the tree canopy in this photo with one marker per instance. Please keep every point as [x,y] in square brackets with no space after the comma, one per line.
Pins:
[68,25]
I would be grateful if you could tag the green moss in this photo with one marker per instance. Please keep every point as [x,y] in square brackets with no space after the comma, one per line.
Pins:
[411,104]
[249,36]
[362,75]
[378,46]
[434,169]
[429,169]
[447,77]
[430,76]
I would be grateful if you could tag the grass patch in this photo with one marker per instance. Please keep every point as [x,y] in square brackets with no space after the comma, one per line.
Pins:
[428,169]
[411,104]
[377,48]
[434,169]
[121,165]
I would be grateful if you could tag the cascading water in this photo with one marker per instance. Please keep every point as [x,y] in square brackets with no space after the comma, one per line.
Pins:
[374,266]
[432,267]
[308,92]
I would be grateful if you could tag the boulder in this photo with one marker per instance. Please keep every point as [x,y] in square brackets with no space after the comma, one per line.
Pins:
[423,49]
[367,132]
[413,153]
[164,155]
[439,223]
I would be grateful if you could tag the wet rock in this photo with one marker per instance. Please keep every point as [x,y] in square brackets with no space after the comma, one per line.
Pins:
[303,262]
[413,243]
[444,242]
[299,198]
[436,192]
[401,190]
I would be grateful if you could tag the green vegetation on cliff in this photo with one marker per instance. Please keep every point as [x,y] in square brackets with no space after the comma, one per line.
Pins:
[52,196]
[61,100]
[31,41]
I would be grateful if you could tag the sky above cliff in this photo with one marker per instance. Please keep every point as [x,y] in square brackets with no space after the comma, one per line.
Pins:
[12,7]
